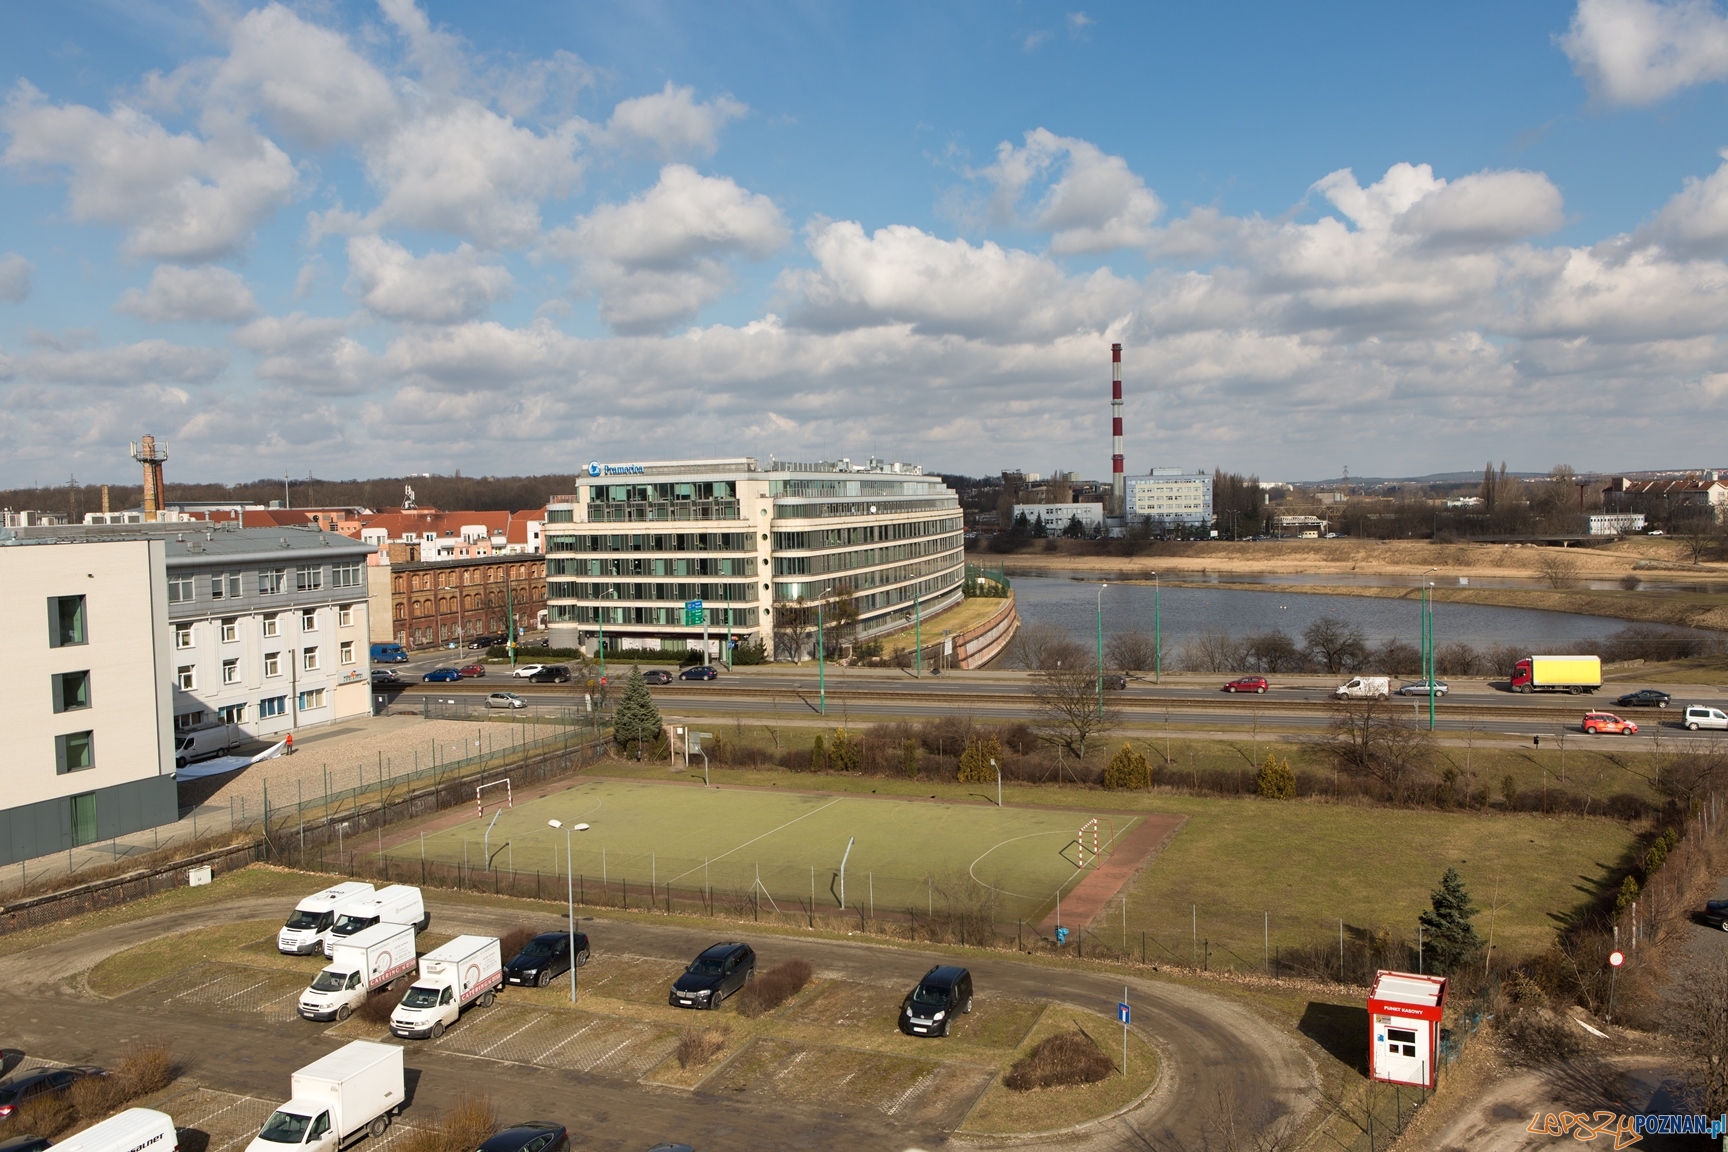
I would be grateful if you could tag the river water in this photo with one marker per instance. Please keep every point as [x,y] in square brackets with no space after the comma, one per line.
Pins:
[1071,605]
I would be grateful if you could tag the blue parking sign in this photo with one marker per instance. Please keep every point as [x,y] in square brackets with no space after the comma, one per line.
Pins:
[1122,1013]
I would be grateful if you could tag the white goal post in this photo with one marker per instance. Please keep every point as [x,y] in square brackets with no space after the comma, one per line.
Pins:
[480,803]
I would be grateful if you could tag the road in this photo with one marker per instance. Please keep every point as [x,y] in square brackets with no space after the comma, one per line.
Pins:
[1212,1048]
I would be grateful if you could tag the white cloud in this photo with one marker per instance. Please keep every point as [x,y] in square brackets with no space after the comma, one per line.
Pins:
[1640,51]
[146,362]
[314,353]
[1097,204]
[657,259]
[213,294]
[1695,221]
[179,196]
[1483,209]
[673,121]
[438,288]
[14,278]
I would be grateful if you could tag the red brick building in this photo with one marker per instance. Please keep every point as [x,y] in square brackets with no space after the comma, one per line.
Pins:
[439,601]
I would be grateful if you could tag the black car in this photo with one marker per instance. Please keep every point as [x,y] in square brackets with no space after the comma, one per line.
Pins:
[714,975]
[529,1136]
[35,1085]
[1115,682]
[551,674]
[26,1144]
[1644,698]
[545,957]
[657,676]
[928,1010]
[699,672]
[1716,914]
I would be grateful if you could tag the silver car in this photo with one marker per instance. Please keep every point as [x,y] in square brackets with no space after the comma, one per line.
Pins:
[1420,688]
[505,700]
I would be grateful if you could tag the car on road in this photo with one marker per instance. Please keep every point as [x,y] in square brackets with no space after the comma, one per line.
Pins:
[1115,682]
[472,671]
[505,700]
[528,1136]
[1420,688]
[699,672]
[442,676]
[38,1085]
[1644,698]
[384,678]
[1716,914]
[544,958]
[524,671]
[1607,724]
[657,676]
[486,641]
[551,674]
[718,972]
[929,1009]
[1247,684]
[1703,716]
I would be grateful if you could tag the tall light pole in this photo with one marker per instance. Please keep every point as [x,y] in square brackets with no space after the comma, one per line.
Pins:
[570,897]
[600,614]
[821,673]
[1101,588]
[1428,598]
[1157,632]
[998,768]
[918,632]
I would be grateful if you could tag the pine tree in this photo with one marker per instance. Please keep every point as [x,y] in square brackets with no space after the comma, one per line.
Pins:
[845,753]
[1450,937]
[975,761]
[909,758]
[818,755]
[1128,769]
[636,718]
[1276,781]
[1628,893]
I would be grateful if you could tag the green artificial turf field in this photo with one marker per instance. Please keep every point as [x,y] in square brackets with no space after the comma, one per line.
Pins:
[927,855]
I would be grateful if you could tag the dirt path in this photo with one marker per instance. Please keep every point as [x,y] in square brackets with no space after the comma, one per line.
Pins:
[1109,877]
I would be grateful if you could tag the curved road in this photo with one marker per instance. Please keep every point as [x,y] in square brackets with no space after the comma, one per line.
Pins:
[1214,1050]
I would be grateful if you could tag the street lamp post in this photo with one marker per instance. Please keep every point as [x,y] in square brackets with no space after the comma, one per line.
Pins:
[1157,632]
[600,614]
[998,768]
[821,673]
[570,897]
[918,633]
[1101,588]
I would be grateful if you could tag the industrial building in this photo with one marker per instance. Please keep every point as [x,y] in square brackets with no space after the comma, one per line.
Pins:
[1170,497]
[660,555]
[1056,517]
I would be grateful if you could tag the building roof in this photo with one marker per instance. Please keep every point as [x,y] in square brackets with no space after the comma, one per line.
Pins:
[1688,484]
[1408,988]
[189,544]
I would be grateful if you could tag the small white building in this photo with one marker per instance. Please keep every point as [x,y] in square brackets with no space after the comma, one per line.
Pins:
[1613,523]
[1170,496]
[1056,517]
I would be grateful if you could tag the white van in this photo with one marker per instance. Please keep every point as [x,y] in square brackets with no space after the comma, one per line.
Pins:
[336,1100]
[202,743]
[398,904]
[134,1130]
[1364,688]
[467,970]
[1702,716]
[314,916]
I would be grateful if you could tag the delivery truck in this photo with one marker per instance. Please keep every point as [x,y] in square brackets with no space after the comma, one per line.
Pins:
[1574,674]
[467,970]
[134,1130]
[362,965]
[336,1100]
[310,923]
[398,904]
[1364,688]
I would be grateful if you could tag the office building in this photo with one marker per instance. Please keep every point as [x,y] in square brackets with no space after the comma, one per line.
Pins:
[1170,497]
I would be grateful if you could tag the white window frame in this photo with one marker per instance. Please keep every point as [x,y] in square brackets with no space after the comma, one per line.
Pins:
[311,698]
[345,616]
[346,575]
[230,629]
[231,671]
[272,663]
[182,589]
[186,677]
[308,577]
[265,712]
[182,637]
[308,619]
[345,652]
[273,625]
[309,659]
[271,581]
[232,713]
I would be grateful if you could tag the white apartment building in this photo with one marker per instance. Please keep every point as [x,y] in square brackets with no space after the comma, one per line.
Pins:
[639,544]
[88,743]
[1056,517]
[1170,496]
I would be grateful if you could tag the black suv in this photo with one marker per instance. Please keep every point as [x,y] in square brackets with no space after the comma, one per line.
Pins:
[1644,697]
[930,1008]
[714,975]
[545,956]
[551,674]
[529,1136]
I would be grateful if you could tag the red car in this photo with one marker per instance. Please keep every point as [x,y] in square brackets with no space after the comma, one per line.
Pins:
[1606,723]
[472,671]
[1247,684]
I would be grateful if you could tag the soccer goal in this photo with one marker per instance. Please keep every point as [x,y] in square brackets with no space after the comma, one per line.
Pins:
[509,800]
[1095,838]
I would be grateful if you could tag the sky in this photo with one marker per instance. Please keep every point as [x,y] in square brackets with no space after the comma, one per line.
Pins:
[361,239]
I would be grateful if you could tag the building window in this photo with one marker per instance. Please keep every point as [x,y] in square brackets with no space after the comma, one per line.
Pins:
[312,699]
[186,677]
[182,636]
[83,818]
[233,714]
[347,651]
[309,620]
[230,629]
[230,671]
[225,586]
[74,752]
[308,578]
[272,706]
[66,621]
[345,616]
[309,660]
[188,720]
[179,589]
[270,581]
[272,663]
[345,576]
[71,691]
[272,625]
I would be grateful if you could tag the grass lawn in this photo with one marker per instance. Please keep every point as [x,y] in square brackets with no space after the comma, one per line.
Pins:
[905,854]
[154,959]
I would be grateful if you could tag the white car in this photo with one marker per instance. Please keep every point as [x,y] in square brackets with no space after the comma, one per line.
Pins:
[1698,716]
[523,671]
[505,700]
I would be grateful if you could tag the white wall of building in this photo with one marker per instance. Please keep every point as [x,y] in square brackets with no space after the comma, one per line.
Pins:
[1170,496]
[1056,516]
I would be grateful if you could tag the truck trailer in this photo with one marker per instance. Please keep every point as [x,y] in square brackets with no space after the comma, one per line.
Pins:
[1574,674]
[336,1100]
[467,970]
[362,965]
[310,923]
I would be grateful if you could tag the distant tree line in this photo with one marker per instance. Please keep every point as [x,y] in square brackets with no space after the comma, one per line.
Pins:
[455,492]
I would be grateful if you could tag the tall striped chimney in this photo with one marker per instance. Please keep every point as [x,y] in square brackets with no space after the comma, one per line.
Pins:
[1117,480]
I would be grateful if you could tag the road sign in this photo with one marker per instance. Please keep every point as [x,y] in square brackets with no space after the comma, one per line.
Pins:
[693,613]
[1123,1014]
[1616,958]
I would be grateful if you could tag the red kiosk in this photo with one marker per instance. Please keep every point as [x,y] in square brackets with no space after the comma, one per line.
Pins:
[1404,1012]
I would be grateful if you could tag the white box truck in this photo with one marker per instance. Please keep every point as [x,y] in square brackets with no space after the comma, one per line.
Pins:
[397,904]
[314,916]
[1364,688]
[335,1100]
[467,970]
[134,1130]
[362,965]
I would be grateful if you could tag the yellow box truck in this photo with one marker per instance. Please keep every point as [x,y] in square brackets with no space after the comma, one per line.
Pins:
[1574,674]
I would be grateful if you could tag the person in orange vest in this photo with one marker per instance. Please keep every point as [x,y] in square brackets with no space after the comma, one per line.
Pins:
[289,742]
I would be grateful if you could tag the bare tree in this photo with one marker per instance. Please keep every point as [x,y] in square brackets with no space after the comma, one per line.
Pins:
[1335,645]
[1066,706]
[1131,652]
[1212,651]
[793,621]
[1557,568]
[1698,531]
[1037,647]
[1699,1017]
[1274,651]
[1368,738]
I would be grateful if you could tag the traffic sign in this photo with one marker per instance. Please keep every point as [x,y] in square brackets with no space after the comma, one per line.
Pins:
[1616,958]
[693,613]
[1122,1013]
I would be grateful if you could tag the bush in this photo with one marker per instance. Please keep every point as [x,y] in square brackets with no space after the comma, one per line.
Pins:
[1129,768]
[515,940]
[96,1096]
[1063,1059]
[47,1115]
[749,654]
[378,1007]
[147,1067]
[700,1045]
[774,987]
[1276,781]
[468,1123]
[818,755]
[909,757]
[975,766]
[845,753]
[1537,1036]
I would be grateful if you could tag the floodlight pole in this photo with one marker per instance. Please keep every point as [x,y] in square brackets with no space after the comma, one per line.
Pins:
[486,843]
[1157,633]
[821,671]
[918,633]
[570,897]
[1101,588]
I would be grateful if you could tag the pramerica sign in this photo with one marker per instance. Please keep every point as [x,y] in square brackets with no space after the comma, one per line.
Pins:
[595,468]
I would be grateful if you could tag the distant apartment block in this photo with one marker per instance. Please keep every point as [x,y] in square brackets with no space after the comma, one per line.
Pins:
[1056,517]
[1170,496]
